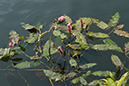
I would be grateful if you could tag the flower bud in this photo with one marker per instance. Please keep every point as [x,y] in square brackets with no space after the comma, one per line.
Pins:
[11,44]
[82,24]
[69,27]
[60,19]
[60,50]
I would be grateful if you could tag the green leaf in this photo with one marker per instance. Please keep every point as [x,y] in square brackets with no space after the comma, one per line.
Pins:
[126,48]
[102,73]
[93,83]
[27,64]
[70,75]
[84,45]
[73,62]
[53,75]
[59,34]
[100,24]
[80,38]
[116,61]
[62,28]
[46,49]
[105,47]
[114,20]
[75,80]
[29,27]
[87,74]
[98,35]
[4,52]
[32,38]
[39,26]
[83,81]
[14,36]
[87,65]
[121,33]
[68,19]
[124,76]
[75,46]
[109,41]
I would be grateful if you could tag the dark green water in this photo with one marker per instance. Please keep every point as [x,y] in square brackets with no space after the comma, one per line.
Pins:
[13,12]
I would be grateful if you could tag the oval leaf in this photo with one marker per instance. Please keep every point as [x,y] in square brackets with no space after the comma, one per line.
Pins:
[76,80]
[59,34]
[14,36]
[121,33]
[46,49]
[114,20]
[98,35]
[29,27]
[104,47]
[68,19]
[27,64]
[32,38]
[100,24]
[83,81]
[87,65]
[109,41]
[102,73]
[115,59]
[73,62]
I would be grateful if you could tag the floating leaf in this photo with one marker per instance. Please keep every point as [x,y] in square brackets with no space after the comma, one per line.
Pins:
[39,26]
[80,38]
[119,26]
[46,49]
[109,41]
[4,52]
[75,46]
[98,35]
[87,74]
[68,19]
[53,75]
[100,24]
[93,83]
[115,59]
[102,73]
[59,34]
[87,65]
[126,48]
[104,47]
[35,57]
[62,28]
[75,80]
[27,64]
[84,45]
[70,75]
[73,62]
[29,27]
[121,33]
[83,81]
[14,36]
[114,20]
[32,38]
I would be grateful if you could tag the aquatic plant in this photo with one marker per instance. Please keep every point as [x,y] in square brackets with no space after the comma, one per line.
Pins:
[69,39]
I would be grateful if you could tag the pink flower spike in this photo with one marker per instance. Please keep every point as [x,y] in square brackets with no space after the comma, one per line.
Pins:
[60,19]
[82,24]
[60,50]
[69,27]
[11,44]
